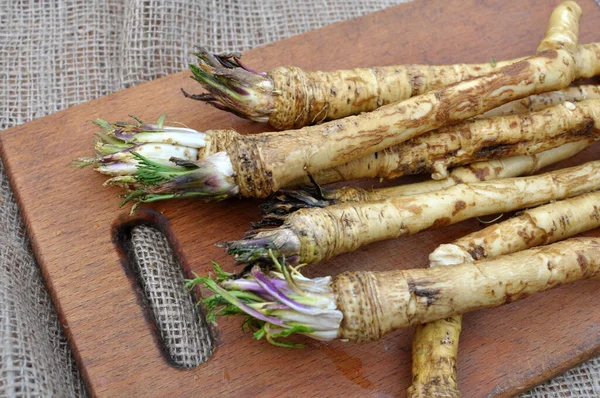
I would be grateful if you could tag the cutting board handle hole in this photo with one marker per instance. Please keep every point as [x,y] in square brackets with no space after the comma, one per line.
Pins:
[153,265]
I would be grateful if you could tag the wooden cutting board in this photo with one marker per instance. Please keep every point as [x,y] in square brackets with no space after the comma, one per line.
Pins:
[71,220]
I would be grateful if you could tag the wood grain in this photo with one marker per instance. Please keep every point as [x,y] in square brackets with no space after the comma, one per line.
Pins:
[71,220]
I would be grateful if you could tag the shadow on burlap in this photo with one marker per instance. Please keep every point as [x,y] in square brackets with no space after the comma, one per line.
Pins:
[57,54]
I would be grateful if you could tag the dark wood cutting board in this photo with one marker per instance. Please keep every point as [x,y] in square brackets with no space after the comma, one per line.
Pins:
[71,220]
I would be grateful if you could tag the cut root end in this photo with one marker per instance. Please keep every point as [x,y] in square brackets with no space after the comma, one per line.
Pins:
[287,202]
[261,245]
[232,86]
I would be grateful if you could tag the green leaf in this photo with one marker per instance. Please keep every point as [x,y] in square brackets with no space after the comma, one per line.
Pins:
[285,344]
[246,297]
[219,273]
[161,120]
[83,162]
[190,283]
[103,124]
[260,333]
[203,77]
[252,324]
[152,173]
[294,329]
[133,195]
[107,139]
[137,119]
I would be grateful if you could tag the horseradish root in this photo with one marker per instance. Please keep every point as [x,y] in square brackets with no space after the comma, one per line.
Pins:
[122,146]
[288,97]
[259,165]
[316,234]
[364,306]
[475,140]
[435,359]
[435,344]
[288,201]
[533,227]
[423,153]
[538,102]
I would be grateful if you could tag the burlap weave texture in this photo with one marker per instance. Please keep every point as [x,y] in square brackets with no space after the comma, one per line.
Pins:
[59,53]
[185,336]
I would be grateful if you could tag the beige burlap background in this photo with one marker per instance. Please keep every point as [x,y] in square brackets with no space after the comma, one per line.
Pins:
[59,53]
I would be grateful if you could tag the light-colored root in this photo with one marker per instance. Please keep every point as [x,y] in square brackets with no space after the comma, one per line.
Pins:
[287,202]
[476,172]
[265,163]
[375,303]
[316,234]
[435,359]
[538,102]
[315,97]
[392,162]
[338,229]
[474,140]
[533,227]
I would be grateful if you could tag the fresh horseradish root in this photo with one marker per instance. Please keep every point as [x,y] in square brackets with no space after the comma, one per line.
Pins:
[396,161]
[288,97]
[259,165]
[288,201]
[538,102]
[140,154]
[435,344]
[472,141]
[437,340]
[316,234]
[364,306]
[533,227]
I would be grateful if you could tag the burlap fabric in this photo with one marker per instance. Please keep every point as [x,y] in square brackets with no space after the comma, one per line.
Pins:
[54,54]
[185,335]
